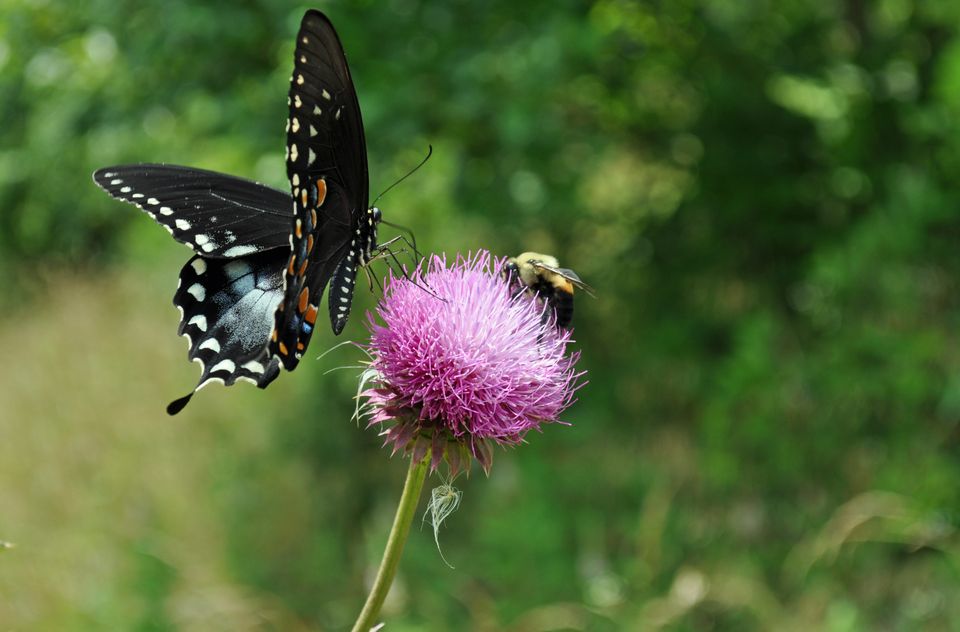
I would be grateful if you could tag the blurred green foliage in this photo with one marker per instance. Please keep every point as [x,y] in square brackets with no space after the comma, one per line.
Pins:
[763,193]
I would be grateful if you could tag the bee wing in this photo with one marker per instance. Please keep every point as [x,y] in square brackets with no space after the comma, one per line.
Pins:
[567,274]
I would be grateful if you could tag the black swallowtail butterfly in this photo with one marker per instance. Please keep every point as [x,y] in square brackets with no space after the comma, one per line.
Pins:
[542,276]
[249,296]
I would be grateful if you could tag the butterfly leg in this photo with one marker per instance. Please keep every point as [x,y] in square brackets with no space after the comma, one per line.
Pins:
[371,277]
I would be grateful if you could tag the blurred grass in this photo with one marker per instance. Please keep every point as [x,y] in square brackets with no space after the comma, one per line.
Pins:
[763,194]
[107,500]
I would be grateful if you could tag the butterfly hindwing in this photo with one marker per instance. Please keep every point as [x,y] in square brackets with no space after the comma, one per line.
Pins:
[227,308]
[343,282]
[327,169]
[317,250]
[213,213]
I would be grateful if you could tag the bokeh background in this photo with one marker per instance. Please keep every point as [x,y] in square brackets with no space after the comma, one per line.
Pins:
[765,194]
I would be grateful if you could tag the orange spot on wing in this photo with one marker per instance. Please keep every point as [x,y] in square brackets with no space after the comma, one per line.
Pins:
[321,191]
[300,346]
[296,229]
[303,197]
[313,217]
[290,265]
[303,267]
[283,348]
[309,243]
[304,296]
[311,315]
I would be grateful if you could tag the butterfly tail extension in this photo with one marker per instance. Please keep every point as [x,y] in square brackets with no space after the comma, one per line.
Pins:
[262,381]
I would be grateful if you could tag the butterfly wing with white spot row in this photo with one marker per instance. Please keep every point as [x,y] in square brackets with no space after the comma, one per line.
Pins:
[327,168]
[226,308]
[328,132]
[215,214]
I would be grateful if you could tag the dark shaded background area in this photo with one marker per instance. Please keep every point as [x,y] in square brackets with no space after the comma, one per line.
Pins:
[763,194]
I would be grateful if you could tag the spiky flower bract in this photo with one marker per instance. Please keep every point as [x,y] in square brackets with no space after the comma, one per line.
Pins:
[459,363]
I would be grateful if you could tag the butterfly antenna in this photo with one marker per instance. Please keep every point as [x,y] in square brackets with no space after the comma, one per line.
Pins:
[409,173]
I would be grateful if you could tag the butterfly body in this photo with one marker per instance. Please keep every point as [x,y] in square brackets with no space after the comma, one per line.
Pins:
[249,298]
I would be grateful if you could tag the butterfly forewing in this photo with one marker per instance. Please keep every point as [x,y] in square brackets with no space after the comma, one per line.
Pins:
[215,214]
[327,168]
[325,130]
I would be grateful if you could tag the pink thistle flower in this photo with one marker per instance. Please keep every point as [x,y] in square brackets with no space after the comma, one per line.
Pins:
[465,365]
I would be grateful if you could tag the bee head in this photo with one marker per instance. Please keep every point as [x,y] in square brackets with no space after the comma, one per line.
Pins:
[511,271]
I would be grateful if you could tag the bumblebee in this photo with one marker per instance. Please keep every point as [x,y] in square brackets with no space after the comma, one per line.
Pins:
[542,275]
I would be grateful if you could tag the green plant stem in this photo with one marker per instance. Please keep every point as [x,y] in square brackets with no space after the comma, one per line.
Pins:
[398,537]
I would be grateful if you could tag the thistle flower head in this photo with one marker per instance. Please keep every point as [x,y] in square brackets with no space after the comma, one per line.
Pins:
[459,362]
